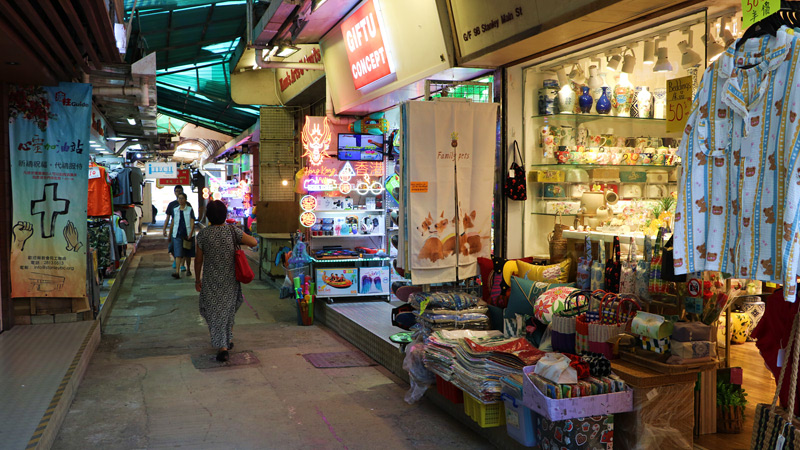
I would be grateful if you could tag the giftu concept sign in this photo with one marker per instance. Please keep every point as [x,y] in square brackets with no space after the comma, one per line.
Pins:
[367,52]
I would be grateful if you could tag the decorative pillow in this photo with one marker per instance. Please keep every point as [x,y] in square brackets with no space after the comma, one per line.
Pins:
[485,265]
[554,273]
[551,302]
[524,294]
[515,326]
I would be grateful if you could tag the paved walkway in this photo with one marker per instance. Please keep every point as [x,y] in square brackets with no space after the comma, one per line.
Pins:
[141,389]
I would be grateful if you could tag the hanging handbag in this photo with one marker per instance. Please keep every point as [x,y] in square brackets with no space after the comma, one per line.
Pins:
[562,327]
[613,269]
[516,187]
[667,264]
[584,280]
[187,244]
[775,427]
[643,271]
[627,276]
[598,269]
[657,284]
[607,328]
[244,274]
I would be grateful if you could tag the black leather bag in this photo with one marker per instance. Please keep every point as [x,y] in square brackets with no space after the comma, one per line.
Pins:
[515,186]
[667,264]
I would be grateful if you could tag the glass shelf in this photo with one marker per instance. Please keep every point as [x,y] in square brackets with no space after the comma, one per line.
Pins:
[552,214]
[348,236]
[581,118]
[347,211]
[602,166]
[354,259]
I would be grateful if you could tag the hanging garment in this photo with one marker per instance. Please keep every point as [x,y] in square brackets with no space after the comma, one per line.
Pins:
[99,240]
[130,231]
[137,181]
[122,196]
[119,232]
[738,198]
[99,203]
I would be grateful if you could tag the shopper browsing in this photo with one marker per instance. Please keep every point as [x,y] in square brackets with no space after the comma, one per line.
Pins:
[181,235]
[171,207]
[215,276]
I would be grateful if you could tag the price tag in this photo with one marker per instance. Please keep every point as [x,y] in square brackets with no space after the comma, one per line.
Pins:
[94,172]
[679,101]
[419,187]
[755,10]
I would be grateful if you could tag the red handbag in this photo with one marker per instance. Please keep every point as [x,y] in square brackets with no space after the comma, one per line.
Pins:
[244,274]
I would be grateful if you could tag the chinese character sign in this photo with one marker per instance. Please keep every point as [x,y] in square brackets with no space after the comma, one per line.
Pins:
[49,142]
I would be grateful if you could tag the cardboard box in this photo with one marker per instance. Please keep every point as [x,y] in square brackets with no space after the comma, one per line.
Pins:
[277,217]
[337,282]
[373,281]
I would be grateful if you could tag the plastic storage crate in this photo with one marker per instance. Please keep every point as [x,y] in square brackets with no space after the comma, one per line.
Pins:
[449,390]
[487,416]
[520,421]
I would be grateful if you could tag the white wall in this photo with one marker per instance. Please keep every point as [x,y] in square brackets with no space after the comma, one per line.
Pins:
[515,239]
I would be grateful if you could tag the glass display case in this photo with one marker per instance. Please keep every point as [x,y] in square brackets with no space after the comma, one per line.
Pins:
[595,137]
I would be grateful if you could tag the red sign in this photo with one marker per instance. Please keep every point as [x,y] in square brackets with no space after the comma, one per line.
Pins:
[295,74]
[366,51]
[184,177]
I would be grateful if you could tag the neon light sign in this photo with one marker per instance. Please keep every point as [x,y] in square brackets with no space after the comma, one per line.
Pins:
[316,141]
[308,203]
[365,187]
[308,219]
[320,184]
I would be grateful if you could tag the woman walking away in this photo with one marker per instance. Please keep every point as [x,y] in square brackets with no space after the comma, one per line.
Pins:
[215,276]
[181,235]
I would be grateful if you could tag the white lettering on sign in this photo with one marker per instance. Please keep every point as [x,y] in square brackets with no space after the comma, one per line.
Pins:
[354,35]
[366,50]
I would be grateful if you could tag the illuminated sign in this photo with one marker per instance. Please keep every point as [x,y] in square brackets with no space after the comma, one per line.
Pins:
[184,177]
[366,50]
[316,141]
[308,203]
[320,184]
[308,219]
[366,186]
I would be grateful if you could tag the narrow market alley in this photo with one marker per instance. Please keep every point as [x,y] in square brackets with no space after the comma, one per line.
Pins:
[141,389]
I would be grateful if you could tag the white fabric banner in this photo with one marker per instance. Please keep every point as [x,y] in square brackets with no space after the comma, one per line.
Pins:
[449,221]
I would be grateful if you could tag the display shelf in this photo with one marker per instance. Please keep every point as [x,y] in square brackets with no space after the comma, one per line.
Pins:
[602,236]
[604,166]
[583,118]
[349,236]
[340,260]
[551,214]
[347,211]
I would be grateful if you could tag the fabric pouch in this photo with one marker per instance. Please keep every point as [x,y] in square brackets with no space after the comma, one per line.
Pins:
[584,279]
[556,367]
[627,276]
[613,269]
[643,271]
[598,269]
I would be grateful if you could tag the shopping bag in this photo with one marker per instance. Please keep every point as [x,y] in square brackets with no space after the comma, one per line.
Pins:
[187,244]
[583,321]
[643,272]
[587,433]
[244,273]
[613,268]
[516,186]
[598,269]
[562,328]
[613,321]
[584,279]
[773,424]
[656,284]
[627,276]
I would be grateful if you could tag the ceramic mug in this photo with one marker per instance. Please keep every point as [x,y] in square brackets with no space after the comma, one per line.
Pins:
[671,159]
[607,140]
[661,150]
[616,158]
[575,157]
[562,157]
[642,142]
[589,157]
[646,158]
[630,159]
[659,159]
[603,158]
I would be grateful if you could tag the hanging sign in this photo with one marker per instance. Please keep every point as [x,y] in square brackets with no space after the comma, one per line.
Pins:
[679,101]
[49,137]
[160,170]
[366,51]
[184,177]
[755,10]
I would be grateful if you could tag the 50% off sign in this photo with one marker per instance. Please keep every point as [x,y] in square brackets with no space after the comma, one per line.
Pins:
[679,102]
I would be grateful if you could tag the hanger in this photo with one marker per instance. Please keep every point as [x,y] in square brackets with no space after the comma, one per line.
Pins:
[787,15]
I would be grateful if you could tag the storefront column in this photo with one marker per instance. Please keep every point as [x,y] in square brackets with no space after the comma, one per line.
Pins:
[6,305]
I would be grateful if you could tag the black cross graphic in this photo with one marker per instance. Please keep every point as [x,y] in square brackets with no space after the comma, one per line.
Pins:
[49,206]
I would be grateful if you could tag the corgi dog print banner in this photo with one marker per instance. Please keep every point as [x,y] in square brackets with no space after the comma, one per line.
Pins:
[449,167]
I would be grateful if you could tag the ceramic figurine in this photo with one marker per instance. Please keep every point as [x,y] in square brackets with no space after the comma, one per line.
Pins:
[585,101]
[603,105]
[644,101]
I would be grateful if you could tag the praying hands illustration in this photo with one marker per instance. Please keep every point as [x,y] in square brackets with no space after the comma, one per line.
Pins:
[21,232]
[71,236]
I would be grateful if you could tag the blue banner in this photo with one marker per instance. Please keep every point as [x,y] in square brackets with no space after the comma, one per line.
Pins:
[49,142]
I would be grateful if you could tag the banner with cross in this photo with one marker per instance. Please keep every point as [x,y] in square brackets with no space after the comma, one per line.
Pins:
[49,143]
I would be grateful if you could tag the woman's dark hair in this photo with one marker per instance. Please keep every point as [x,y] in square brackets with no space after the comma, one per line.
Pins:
[216,212]
[183,195]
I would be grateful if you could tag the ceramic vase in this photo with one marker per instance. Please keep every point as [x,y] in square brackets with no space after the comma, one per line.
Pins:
[622,96]
[644,101]
[595,83]
[566,99]
[660,103]
[603,105]
[547,101]
[585,101]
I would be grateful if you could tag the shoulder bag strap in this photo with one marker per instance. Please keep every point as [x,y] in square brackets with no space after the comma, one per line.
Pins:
[616,248]
[518,152]
[233,235]
[631,249]
[795,346]
[588,248]
[648,248]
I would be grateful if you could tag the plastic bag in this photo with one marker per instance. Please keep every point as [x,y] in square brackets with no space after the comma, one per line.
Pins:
[419,377]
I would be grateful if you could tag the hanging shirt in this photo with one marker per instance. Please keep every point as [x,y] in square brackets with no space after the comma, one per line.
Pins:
[739,191]
[123,195]
[99,202]
[137,181]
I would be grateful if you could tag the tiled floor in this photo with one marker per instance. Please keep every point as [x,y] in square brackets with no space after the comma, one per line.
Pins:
[33,361]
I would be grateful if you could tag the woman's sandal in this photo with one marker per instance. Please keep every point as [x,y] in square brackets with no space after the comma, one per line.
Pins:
[177,276]
[230,345]
[223,356]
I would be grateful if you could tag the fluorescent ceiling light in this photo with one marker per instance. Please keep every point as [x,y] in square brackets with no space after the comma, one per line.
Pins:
[115,138]
[131,121]
[287,50]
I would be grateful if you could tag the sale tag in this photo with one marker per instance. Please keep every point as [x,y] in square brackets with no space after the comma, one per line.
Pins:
[755,10]
[94,172]
[679,100]
[419,186]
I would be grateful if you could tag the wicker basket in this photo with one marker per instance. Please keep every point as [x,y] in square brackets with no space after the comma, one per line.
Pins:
[730,419]
[558,244]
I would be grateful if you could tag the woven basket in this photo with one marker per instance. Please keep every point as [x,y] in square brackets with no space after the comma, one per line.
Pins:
[558,244]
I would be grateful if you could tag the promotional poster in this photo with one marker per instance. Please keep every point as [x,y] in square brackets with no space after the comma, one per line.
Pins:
[49,142]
